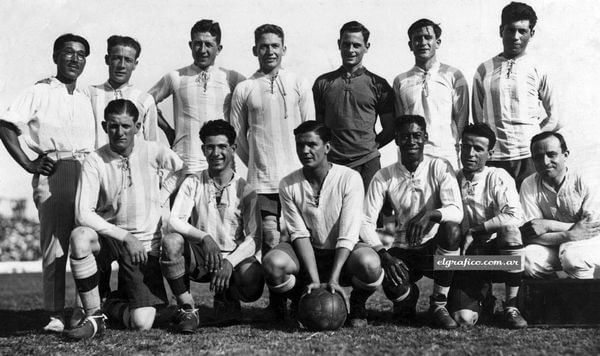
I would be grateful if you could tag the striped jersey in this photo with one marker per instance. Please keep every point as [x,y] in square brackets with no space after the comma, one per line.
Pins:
[507,94]
[118,195]
[490,198]
[265,110]
[102,94]
[230,220]
[198,96]
[431,186]
[441,96]
[331,218]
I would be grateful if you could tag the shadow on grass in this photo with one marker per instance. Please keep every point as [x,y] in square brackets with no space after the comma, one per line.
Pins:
[22,322]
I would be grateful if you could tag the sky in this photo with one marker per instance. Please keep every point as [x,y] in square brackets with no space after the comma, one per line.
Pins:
[566,42]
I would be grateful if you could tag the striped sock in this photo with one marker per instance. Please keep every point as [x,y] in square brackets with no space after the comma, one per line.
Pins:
[85,273]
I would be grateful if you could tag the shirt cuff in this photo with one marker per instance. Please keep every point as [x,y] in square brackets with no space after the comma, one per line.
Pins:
[344,242]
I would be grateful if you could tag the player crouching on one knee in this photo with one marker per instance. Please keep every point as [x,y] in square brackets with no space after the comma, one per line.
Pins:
[118,213]
[492,215]
[322,207]
[426,199]
[220,243]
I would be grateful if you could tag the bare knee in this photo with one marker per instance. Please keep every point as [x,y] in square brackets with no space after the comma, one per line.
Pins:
[275,266]
[452,236]
[84,241]
[465,317]
[270,229]
[172,246]
[364,264]
[249,281]
[142,318]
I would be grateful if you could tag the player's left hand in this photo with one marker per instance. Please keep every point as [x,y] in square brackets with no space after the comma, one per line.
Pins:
[220,279]
[334,287]
[417,227]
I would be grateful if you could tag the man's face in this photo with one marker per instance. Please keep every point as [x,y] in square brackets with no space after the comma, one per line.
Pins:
[269,50]
[515,37]
[121,63]
[424,44]
[121,130]
[218,152]
[311,149]
[352,48]
[205,49]
[411,140]
[549,160]
[70,60]
[474,153]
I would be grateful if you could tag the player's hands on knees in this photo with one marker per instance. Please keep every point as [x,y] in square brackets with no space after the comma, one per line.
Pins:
[136,249]
[212,253]
[220,279]
[43,165]
[396,271]
[417,227]
[586,228]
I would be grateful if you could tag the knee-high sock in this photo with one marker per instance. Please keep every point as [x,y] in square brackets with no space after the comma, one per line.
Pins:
[513,278]
[443,279]
[85,273]
[174,272]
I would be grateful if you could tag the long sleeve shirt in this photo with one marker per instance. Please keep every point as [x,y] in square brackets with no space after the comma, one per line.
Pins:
[441,96]
[331,218]
[265,110]
[431,186]
[119,195]
[230,221]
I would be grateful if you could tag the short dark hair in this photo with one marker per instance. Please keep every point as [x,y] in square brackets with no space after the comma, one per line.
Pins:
[116,40]
[544,135]
[69,37]
[218,127]
[121,106]
[355,26]
[410,119]
[268,28]
[481,129]
[424,23]
[517,11]
[323,131]
[209,26]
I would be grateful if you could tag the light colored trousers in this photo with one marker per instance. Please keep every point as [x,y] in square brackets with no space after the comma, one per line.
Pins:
[577,259]
[54,197]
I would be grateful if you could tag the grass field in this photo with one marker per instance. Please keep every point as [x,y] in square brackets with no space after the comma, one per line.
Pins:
[21,321]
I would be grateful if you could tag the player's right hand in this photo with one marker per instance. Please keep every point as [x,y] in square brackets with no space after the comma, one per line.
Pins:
[136,249]
[395,270]
[43,165]
[212,253]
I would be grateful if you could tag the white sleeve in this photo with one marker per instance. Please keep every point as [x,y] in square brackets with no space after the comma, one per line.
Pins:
[352,212]
[372,206]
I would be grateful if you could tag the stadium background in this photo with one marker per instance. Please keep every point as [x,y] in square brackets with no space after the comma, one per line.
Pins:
[566,42]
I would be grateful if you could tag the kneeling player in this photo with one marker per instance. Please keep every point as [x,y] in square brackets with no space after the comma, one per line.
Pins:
[425,196]
[322,207]
[118,210]
[492,216]
[220,243]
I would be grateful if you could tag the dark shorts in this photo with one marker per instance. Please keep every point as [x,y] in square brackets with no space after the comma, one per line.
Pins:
[324,260]
[141,285]
[418,260]
[367,170]
[195,258]
[469,288]
[268,204]
[519,169]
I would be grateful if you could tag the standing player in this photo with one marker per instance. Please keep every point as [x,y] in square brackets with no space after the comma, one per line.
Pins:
[426,199]
[119,216]
[491,223]
[322,207]
[57,122]
[220,243]
[265,109]
[122,58]
[349,100]
[201,92]
[562,229]
[507,91]
[434,90]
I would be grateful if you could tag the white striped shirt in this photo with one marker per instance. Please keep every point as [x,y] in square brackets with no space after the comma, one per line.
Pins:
[441,96]
[198,96]
[506,95]
[51,119]
[333,218]
[118,195]
[102,94]
[490,198]
[265,112]
[232,222]
[432,185]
